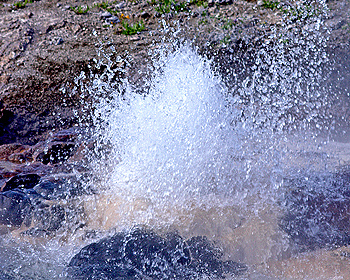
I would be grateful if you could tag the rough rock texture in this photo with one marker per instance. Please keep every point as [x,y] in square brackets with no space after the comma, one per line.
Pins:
[142,254]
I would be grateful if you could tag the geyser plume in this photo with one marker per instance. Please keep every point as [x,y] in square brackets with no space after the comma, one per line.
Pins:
[176,140]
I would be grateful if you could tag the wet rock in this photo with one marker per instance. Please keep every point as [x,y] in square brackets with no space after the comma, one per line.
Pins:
[57,153]
[4,276]
[7,150]
[49,190]
[142,254]
[65,135]
[317,210]
[7,135]
[26,181]
[59,189]
[48,218]
[15,206]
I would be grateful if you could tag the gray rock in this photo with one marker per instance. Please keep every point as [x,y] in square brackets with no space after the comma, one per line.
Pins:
[106,15]
[120,5]
[113,19]
[59,41]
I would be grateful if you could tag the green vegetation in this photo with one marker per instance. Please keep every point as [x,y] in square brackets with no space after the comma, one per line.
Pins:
[133,28]
[21,4]
[270,4]
[199,3]
[228,25]
[226,40]
[167,6]
[303,11]
[79,10]
[106,6]
[102,5]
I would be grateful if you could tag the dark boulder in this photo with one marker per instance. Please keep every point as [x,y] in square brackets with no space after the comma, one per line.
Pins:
[26,181]
[15,206]
[142,254]
[317,210]
[57,153]
[63,188]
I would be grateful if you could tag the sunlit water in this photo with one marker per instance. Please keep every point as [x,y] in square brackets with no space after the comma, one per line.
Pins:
[190,152]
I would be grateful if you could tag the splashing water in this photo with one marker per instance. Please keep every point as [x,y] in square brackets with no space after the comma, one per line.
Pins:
[207,153]
[189,152]
[178,139]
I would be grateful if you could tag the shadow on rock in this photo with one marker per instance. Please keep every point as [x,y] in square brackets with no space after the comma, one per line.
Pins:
[143,254]
[317,210]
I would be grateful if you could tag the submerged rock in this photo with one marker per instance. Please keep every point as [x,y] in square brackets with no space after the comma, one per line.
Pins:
[26,181]
[57,153]
[15,206]
[142,254]
[318,211]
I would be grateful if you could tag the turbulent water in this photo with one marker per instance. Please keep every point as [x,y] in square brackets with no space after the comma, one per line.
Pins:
[207,152]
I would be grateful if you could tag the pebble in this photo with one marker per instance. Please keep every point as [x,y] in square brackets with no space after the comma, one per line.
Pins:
[120,5]
[106,15]
[112,19]
[59,41]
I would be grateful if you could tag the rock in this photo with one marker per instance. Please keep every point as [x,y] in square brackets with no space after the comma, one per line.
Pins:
[106,15]
[59,189]
[120,5]
[15,206]
[57,153]
[49,190]
[59,41]
[48,218]
[145,15]
[4,276]
[65,135]
[26,181]
[113,20]
[63,188]
[142,254]
[7,150]
[317,210]
[7,135]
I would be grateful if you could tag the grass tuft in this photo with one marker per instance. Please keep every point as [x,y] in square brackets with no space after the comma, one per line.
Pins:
[133,28]
[79,10]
